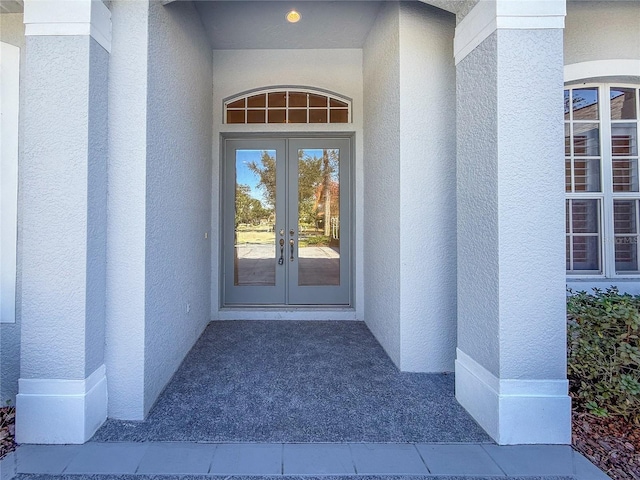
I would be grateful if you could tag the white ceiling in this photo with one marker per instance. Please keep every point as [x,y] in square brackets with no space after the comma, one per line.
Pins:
[262,24]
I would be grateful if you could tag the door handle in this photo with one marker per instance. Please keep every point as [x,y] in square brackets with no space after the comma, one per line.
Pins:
[281,259]
[291,243]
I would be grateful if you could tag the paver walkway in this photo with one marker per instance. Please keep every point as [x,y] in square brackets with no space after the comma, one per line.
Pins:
[287,460]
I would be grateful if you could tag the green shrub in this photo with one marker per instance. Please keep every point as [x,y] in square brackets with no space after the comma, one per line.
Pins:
[604,352]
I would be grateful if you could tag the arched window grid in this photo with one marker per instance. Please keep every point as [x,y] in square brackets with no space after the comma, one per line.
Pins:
[287,105]
[602,179]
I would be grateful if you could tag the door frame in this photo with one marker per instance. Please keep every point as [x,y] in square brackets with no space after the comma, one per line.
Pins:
[350,199]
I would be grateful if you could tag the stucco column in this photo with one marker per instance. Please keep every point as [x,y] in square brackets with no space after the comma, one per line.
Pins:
[511,361]
[62,394]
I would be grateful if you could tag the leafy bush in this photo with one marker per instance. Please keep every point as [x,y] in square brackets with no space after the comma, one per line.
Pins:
[604,352]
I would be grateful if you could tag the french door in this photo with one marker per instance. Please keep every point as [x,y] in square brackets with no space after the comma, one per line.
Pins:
[287,225]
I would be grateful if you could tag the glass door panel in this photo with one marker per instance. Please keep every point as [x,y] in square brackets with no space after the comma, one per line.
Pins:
[255,186]
[319,204]
[255,219]
[318,217]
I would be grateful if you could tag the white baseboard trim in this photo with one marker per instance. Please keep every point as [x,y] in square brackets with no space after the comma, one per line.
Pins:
[55,411]
[309,314]
[514,412]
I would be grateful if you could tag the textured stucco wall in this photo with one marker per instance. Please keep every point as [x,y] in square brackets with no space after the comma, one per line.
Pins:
[336,70]
[477,189]
[59,265]
[96,207]
[512,323]
[601,31]
[179,128]
[124,351]
[409,177]
[532,230]
[12,32]
[381,69]
[463,8]
[427,189]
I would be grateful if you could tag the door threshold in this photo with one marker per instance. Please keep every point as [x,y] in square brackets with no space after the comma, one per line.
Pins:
[287,313]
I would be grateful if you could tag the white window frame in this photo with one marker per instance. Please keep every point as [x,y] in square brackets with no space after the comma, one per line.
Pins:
[606,195]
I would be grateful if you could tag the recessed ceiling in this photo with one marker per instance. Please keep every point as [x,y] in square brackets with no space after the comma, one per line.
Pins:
[241,24]
[262,24]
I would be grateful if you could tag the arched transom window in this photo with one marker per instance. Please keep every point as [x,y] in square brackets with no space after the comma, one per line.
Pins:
[294,105]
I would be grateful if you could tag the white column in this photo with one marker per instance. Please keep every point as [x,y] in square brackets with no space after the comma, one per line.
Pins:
[62,388]
[511,360]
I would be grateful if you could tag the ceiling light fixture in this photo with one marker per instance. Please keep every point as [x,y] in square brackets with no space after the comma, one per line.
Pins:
[293,16]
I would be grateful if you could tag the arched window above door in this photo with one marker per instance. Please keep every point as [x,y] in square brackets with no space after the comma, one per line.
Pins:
[287,105]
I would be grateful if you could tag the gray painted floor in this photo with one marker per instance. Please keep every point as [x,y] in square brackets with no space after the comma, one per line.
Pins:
[291,382]
[327,461]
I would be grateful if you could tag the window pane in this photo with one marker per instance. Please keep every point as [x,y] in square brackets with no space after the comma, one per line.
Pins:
[337,103]
[624,216]
[586,140]
[255,116]
[584,234]
[277,116]
[317,100]
[627,254]
[257,101]
[585,216]
[235,116]
[585,104]
[567,139]
[623,104]
[624,139]
[626,229]
[586,175]
[298,116]
[625,175]
[339,115]
[586,253]
[297,99]
[567,175]
[318,116]
[237,104]
[278,99]
[567,104]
